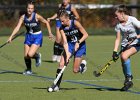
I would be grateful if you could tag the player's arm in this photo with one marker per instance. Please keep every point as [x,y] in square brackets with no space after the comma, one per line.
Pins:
[16,29]
[52,18]
[82,30]
[117,41]
[41,19]
[65,44]
[75,13]
[115,55]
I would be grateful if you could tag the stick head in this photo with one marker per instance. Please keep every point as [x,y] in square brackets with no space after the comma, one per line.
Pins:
[96,74]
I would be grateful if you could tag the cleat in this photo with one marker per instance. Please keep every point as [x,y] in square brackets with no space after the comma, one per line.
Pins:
[127,86]
[83,66]
[127,83]
[54,58]
[38,60]
[53,88]
[27,72]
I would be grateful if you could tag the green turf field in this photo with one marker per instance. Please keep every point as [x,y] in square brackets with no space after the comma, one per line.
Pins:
[15,86]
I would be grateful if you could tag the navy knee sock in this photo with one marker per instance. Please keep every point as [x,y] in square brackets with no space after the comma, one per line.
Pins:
[28,63]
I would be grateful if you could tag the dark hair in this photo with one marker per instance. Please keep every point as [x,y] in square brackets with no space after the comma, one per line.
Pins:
[64,13]
[31,2]
[60,10]
[122,8]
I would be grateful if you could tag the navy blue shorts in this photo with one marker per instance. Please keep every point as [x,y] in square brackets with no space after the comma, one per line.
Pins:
[58,23]
[80,52]
[33,39]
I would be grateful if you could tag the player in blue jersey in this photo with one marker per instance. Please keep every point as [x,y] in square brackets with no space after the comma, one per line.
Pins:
[74,36]
[33,38]
[127,28]
[58,48]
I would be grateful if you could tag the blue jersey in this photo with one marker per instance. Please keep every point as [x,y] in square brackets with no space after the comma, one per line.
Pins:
[72,33]
[32,25]
[68,10]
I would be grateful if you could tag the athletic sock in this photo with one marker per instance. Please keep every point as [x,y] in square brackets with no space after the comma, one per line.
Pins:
[55,48]
[28,63]
[60,49]
[35,56]
[127,68]
[59,81]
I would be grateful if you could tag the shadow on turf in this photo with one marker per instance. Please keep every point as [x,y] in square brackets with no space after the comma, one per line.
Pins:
[48,61]
[104,89]
[98,87]
[67,89]
[13,72]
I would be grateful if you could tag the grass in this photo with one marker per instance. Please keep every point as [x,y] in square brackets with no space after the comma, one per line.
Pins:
[15,86]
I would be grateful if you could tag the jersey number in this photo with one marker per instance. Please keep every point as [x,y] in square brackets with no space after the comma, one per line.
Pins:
[74,38]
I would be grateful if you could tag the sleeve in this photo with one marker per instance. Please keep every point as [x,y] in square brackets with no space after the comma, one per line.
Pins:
[117,29]
[136,22]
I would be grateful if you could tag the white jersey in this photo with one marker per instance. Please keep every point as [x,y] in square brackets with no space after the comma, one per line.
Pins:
[130,29]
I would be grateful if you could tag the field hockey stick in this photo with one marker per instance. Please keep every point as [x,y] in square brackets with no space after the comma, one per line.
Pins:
[50,89]
[12,39]
[104,68]
[60,73]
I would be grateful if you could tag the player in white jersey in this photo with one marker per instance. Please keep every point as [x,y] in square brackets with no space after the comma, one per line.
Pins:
[127,28]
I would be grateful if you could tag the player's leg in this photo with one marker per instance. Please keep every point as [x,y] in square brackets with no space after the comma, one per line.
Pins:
[126,67]
[27,60]
[56,87]
[79,63]
[58,48]
[32,53]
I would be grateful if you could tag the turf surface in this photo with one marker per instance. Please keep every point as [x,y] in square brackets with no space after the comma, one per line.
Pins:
[15,86]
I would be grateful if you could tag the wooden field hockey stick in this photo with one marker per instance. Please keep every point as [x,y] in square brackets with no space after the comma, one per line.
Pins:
[12,39]
[104,68]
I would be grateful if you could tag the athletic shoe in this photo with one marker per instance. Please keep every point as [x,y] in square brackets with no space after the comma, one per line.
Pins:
[54,58]
[54,88]
[127,86]
[58,58]
[27,72]
[38,60]
[83,66]
[127,83]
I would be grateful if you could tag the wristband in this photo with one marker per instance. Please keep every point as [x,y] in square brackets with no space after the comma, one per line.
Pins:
[78,42]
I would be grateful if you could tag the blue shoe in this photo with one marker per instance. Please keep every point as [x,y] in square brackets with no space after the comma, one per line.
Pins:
[38,60]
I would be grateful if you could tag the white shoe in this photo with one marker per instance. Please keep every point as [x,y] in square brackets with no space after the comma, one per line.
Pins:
[56,89]
[54,58]
[83,66]
[27,72]
[38,60]
[58,58]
